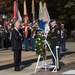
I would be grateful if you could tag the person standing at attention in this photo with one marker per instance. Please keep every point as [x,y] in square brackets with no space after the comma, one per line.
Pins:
[16,45]
[55,37]
[63,38]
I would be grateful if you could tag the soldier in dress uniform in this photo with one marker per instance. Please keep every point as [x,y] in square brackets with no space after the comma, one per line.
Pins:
[27,39]
[63,37]
[34,34]
[55,36]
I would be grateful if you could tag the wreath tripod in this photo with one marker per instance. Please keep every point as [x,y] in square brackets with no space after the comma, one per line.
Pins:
[44,63]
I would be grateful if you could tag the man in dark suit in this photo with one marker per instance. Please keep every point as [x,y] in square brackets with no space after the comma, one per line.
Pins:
[16,45]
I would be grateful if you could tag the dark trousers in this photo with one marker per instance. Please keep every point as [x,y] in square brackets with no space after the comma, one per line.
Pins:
[32,44]
[63,44]
[17,58]
[26,43]
[1,43]
[6,43]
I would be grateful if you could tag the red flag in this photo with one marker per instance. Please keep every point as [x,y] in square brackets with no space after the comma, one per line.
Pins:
[17,14]
[26,20]
[15,10]
[26,24]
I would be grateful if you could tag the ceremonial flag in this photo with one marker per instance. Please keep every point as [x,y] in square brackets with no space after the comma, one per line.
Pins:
[41,23]
[15,10]
[46,19]
[19,15]
[33,11]
[26,20]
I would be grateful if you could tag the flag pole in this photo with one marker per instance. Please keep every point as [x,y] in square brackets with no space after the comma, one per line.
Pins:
[33,12]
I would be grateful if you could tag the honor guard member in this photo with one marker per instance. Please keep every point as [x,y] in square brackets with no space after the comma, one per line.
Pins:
[27,39]
[33,36]
[63,38]
[55,36]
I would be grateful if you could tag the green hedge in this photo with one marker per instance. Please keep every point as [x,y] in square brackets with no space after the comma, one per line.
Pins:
[70,40]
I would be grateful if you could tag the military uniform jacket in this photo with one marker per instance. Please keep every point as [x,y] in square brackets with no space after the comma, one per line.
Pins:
[63,33]
[55,36]
[16,40]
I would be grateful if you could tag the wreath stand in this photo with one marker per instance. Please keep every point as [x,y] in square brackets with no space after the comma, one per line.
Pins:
[44,63]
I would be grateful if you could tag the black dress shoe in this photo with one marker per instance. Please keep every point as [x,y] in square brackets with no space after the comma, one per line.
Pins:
[17,69]
[26,50]
[51,69]
[58,69]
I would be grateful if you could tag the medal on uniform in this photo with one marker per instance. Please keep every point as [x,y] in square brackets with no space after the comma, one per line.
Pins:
[52,30]
[58,32]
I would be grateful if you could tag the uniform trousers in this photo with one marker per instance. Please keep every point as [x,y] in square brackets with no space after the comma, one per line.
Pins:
[63,44]
[32,44]
[26,43]
[54,52]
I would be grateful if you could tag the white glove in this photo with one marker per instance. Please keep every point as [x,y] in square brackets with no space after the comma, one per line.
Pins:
[57,47]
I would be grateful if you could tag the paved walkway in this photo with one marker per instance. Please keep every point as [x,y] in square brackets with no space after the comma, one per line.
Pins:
[29,60]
